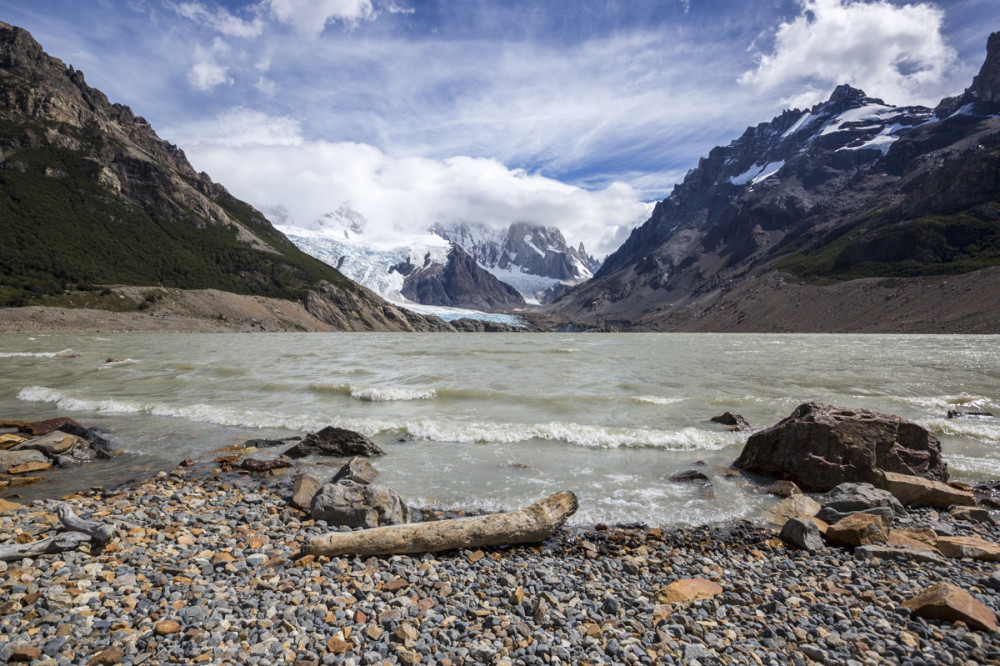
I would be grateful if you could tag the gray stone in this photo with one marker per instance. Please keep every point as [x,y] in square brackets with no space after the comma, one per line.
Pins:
[831,516]
[333,441]
[802,533]
[358,470]
[851,497]
[14,458]
[351,504]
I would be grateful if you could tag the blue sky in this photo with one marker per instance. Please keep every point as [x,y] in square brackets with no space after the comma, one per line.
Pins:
[575,114]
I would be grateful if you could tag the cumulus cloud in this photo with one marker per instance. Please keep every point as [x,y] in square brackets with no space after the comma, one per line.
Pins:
[220,20]
[310,17]
[894,52]
[206,72]
[262,160]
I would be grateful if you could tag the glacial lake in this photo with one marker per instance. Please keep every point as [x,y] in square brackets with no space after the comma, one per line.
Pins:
[496,421]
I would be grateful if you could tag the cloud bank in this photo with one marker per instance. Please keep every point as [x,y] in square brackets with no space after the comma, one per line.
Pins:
[264,160]
[896,52]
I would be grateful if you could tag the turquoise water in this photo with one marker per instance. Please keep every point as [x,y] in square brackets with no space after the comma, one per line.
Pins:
[495,421]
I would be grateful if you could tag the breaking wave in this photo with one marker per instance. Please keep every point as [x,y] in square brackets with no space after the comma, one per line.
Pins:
[375,393]
[65,353]
[655,400]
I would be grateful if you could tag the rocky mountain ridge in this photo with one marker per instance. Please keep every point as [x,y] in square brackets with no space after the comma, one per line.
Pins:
[90,195]
[851,188]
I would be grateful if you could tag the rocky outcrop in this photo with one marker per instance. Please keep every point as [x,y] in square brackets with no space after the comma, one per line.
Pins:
[821,446]
[460,283]
[334,441]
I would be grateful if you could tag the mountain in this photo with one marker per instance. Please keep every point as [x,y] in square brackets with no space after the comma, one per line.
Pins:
[852,189]
[90,195]
[521,263]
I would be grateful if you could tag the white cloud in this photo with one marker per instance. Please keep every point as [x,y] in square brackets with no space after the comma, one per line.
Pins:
[261,160]
[220,20]
[207,73]
[310,17]
[890,51]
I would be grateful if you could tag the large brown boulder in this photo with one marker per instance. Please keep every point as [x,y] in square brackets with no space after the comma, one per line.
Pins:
[821,446]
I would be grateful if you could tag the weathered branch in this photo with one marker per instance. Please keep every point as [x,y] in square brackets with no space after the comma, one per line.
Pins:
[100,533]
[53,544]
[529,525]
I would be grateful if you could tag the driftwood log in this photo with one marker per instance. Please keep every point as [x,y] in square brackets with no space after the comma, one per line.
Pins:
[529,525]
[79,531]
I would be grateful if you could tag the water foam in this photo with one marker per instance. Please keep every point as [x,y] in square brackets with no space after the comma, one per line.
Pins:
[655,400]
[390,393]
[985,430]
[65,353]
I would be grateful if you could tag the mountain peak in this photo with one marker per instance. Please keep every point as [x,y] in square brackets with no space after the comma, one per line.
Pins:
[986,85]
[845,92]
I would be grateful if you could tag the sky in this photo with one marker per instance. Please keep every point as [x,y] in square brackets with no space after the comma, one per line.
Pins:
[575,114]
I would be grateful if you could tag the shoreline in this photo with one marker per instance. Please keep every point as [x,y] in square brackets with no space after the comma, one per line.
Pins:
[207,569]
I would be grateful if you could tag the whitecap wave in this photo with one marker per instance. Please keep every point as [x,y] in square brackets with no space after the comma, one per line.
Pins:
[655,400]
[440,430]
[943,403]
[390,393]
[65,353]
[984,430]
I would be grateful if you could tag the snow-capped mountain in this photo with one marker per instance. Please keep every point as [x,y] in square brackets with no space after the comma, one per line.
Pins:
[535,261]
[853,187]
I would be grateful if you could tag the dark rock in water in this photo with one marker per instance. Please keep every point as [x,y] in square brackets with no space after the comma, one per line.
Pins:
[957,414]
[988,493]
[730,419]
[821,446]
[851,497]
[101,444]
[263,443]
[333,441]
[802,533]
[77,456]
[689,475]
[36,428]
[261,466]
[358,470]
[351,504]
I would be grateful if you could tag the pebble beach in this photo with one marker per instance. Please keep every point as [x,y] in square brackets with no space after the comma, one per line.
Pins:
[207,569]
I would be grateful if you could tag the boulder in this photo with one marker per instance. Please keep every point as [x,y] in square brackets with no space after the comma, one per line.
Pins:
[792,507]
[358,470]
[333,441]
[784,489]
[304,488]
[972,547]
[820,446]
[944,601]
[910,489]
[851,497]
[9,459]
[688,589]
[859,529]
[54,444]
[734,421]
[352,504]
[958,414]
[689,475]
[802,533]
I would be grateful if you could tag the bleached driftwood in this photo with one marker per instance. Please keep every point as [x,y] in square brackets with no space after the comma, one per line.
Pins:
[79,531]
[529,525]
[100,533]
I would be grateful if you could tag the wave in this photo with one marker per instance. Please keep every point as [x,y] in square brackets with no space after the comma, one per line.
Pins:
[984,430]
[440,430]
[945,402]
[655,400]
[375,393]
[65,353]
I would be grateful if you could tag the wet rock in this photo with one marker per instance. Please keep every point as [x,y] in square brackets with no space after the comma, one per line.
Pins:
[821,446]
[958,414]
[945,601]
[928,492]
[734,420]
[859,529]
[689,475]
[333,441]
[802,533]
[351,504]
